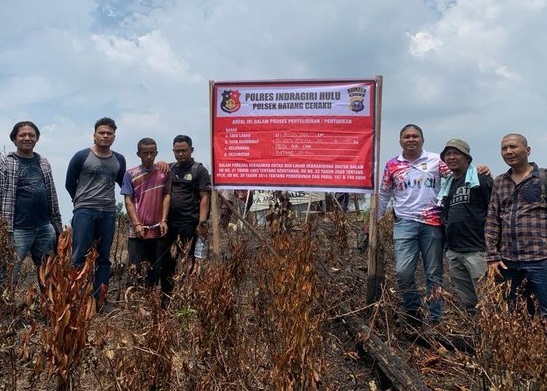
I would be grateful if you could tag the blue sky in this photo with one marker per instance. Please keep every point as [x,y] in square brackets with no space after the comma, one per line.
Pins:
[471,69]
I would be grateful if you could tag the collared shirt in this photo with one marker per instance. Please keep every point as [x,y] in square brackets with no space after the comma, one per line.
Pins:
[187,184]
[516,224]
[147,188]
[414,187]
[9,174]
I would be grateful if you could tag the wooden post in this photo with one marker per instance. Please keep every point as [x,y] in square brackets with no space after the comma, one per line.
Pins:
[375,262]
[215,221]
[214,194]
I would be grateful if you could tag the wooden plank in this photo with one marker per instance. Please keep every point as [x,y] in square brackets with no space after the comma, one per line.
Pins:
[401,376]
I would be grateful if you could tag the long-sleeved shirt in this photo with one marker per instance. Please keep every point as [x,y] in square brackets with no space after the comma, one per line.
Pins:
[414,187]
[516,223]
[9,174]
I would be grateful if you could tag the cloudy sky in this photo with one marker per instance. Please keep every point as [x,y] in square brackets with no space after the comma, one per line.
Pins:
[472,69]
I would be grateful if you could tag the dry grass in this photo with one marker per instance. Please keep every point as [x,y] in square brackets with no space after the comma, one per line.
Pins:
[512,344]
[500,348]
[263,316]
[9,324]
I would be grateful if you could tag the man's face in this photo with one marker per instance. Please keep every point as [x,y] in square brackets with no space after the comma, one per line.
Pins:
[411,140]
[514,151]
[148,154]
[183,152]
[26,139]
[456,160]
[104,136]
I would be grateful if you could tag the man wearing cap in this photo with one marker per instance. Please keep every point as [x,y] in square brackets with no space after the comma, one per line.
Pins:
[516,224]
[464,196]
[413,181]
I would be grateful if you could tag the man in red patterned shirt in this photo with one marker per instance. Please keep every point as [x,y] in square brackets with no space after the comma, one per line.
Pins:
[146,193]
[412,180]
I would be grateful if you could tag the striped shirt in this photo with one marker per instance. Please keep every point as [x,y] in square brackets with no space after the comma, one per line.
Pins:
[147,188]
[516,224]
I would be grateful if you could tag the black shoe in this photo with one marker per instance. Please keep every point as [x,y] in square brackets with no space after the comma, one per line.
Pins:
[165,301]
[414,318]
[433,323]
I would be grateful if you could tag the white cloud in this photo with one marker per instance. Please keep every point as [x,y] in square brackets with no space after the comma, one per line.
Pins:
[423,42]
[150,50]
[468,68]
[23,90]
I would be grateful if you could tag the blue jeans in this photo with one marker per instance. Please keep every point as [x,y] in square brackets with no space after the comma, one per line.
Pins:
[40,242]
[89,225]
[535,273]
[410,239]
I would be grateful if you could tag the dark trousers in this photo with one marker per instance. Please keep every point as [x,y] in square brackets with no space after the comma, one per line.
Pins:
[187,239]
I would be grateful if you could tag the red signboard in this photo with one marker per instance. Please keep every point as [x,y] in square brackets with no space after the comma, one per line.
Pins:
[300,135]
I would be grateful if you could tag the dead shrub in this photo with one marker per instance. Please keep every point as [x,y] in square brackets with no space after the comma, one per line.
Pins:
[287,308]
[512,344]
[68,305]
[139,356]
[8,311]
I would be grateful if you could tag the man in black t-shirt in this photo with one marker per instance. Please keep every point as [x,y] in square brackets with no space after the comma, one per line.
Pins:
[465,195]
[189,207]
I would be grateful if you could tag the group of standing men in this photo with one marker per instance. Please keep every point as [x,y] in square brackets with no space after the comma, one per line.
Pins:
[164,202]
[474,221]
[500,223]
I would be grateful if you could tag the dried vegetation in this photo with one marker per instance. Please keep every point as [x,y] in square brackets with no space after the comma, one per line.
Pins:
[267,314]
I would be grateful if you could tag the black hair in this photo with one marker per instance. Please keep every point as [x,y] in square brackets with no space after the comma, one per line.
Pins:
[106,121]
[183,139]
[411,126]
[145,141]
[19,125]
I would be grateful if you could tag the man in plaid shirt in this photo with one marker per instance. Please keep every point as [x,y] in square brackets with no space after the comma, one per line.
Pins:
[516,224]
[28,199]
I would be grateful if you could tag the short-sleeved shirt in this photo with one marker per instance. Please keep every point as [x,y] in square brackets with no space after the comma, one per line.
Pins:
[148,188]
[185,198]
[31,202]
[465,210]
[414,187]
[96,183]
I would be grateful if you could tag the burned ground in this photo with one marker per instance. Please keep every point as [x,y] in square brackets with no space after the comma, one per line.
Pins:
[286,311]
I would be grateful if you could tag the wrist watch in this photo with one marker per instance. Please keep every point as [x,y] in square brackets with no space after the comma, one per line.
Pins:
[203,223]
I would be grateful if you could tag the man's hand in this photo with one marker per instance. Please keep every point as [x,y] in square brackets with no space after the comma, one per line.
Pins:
[163,228]
[202,230]
[163,166]
[495,267]
[139,230]
[484,170]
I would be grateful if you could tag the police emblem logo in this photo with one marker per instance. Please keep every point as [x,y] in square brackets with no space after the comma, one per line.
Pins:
[230,101]
[357,98]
